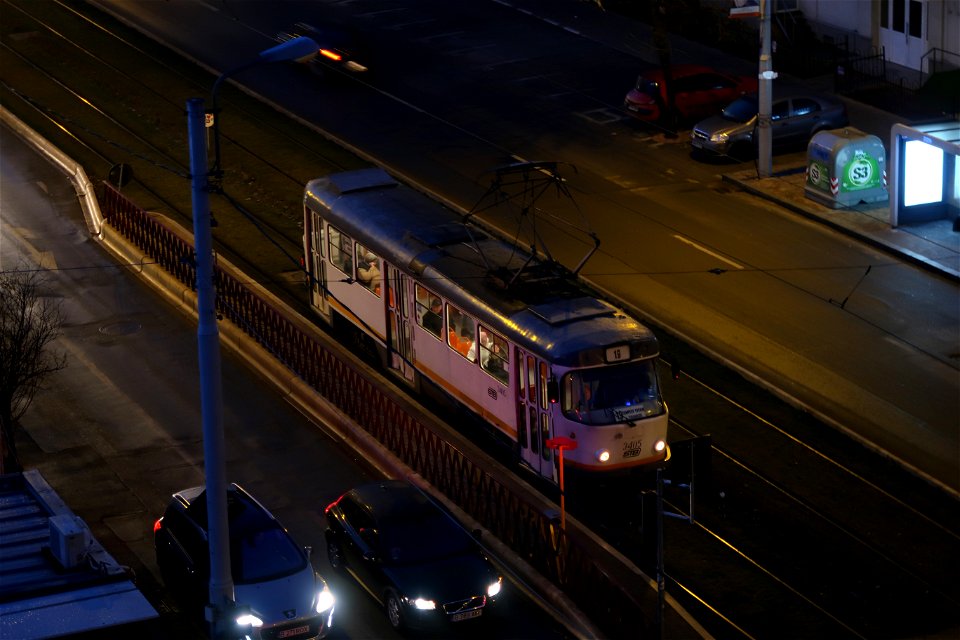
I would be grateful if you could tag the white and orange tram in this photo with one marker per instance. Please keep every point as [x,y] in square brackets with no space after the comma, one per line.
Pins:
[519,340]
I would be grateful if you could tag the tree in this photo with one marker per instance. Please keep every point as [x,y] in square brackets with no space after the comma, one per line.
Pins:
[29,322]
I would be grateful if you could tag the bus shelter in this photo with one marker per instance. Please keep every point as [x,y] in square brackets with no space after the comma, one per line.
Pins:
[924,180]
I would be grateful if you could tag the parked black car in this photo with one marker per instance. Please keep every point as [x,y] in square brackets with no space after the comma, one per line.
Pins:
[280,594]
[411,554]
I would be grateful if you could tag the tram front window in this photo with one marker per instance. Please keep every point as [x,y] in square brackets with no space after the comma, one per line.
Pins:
[608,395]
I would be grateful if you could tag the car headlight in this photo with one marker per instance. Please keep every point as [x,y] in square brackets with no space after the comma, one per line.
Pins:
[249,619]
[493,588]
[719,137]
[422,603]
[325,600]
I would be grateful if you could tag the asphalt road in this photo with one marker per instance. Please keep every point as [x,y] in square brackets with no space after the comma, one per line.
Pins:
[657,163]
[745,281]
[119,429]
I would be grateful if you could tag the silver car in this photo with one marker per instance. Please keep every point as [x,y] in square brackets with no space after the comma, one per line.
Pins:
[794,118]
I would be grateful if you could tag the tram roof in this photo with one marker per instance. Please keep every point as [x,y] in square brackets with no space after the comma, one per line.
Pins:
[539,304]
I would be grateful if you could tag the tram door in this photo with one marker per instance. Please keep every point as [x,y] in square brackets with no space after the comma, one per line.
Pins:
[398,324]
[533,413]
[317,267]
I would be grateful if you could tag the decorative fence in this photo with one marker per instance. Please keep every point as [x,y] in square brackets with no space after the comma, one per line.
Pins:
[622,608]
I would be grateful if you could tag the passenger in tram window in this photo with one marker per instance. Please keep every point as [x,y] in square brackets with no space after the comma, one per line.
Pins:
[369,273]
[432,321]
[486,345]
[346,254]
[493,355]
[465,343]
[454,320]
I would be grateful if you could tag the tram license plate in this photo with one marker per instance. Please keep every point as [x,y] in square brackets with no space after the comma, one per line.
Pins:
[466,615]
[631,453]
[296,631]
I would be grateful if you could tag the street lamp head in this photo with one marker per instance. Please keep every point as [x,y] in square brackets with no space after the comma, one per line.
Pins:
[301,48]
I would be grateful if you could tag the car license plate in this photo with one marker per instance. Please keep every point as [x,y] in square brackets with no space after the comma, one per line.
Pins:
[296,631]
[466,615]
[696,143]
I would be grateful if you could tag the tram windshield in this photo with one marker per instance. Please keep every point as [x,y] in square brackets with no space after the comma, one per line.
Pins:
[612,394]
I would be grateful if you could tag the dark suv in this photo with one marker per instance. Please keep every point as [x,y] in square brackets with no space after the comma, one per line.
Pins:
[274,582]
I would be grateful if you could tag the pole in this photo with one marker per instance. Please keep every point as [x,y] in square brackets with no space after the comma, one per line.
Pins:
[766,76]
[661,586]
[563,511]
[221,582]
[559,444]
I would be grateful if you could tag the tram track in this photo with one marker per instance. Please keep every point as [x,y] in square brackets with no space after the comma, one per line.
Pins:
[129,130]
[725,524]
[846,534]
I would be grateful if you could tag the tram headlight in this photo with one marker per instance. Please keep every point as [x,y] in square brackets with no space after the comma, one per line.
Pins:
[603,455]
[660,445]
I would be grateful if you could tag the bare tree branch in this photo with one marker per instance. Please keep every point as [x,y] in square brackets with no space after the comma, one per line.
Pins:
[29,322]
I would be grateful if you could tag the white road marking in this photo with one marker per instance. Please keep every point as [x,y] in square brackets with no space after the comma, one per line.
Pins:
[707,251]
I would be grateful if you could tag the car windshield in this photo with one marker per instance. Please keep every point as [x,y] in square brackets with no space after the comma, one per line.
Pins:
[742,109]
[645,85]
[612,394]
[422,537]
[259,555]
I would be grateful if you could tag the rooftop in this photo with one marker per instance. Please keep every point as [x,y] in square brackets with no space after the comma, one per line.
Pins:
[55,578]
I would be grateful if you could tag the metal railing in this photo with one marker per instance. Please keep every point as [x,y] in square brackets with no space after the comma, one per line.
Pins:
[938,60]
[622,606]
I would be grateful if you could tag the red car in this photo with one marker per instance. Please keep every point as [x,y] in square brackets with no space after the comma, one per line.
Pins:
[698,92]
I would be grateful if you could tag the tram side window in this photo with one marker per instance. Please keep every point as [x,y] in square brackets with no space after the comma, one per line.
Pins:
[545,435]
[534,436]
[544,403]
[368,269]
[317,235]
[461,333]
[341,250]
[531,380]
[494,355]
[428,309]
[317,250]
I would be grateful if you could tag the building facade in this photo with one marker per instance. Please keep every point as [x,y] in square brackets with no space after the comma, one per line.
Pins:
[917,34]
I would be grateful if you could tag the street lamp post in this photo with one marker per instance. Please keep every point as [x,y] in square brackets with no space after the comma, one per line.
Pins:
[765,103]
[221,581]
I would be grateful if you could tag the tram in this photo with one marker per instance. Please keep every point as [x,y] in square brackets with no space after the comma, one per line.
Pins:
[517,339]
